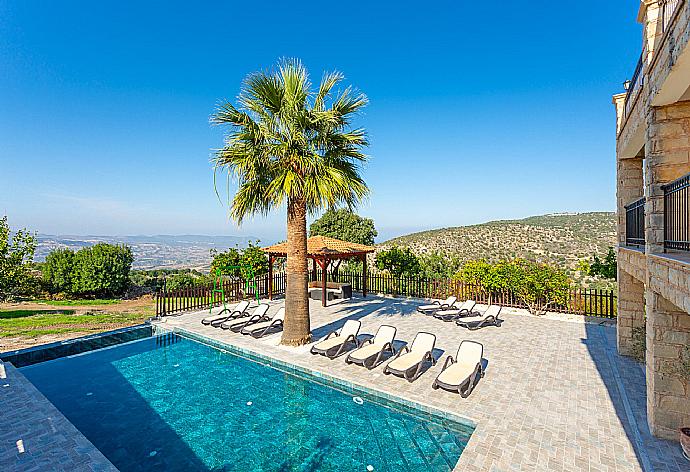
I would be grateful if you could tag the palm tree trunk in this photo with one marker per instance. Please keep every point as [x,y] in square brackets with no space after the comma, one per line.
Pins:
[296,330]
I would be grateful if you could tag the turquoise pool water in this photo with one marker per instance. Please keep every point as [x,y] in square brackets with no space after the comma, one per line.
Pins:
[169,403]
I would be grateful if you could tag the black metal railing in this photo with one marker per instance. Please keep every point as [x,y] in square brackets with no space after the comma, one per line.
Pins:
[634,86]
[677,214]
[668,13]
[579,301]
[634,223]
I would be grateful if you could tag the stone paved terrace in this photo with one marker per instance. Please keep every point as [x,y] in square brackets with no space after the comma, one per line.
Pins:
[35,436]
[556,396]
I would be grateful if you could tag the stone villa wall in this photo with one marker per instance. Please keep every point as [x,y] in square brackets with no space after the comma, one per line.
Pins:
[668,394]
[653,148]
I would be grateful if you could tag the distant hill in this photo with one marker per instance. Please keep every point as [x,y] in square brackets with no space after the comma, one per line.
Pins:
[151,252]
[559,239]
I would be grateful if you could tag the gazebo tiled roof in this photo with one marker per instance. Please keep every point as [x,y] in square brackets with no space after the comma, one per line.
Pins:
[324,246]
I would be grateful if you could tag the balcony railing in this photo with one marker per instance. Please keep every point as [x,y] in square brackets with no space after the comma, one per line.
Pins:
[668,12]
[634,223]
[677,214]
[634,86]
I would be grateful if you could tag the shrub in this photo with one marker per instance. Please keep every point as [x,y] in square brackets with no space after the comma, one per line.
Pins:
[398,261]
[606,268]
[438,265]
[225,260]
[102,270]
[58,270]
[180,281]
[242,264]
[538,286]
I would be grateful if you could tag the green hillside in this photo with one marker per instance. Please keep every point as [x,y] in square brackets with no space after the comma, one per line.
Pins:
[559,239]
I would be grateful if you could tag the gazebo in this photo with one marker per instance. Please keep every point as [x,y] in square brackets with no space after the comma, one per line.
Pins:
[322,250]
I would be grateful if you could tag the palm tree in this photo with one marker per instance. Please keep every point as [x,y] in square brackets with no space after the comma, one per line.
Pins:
[290,145]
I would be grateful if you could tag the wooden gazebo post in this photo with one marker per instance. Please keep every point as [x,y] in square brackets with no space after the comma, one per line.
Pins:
[270,276]
[364,275]
[323,282]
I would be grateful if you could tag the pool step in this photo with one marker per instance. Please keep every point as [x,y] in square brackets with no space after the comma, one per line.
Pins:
[416,447]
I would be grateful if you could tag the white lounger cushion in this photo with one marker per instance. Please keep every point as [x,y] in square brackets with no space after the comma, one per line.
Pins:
[241,306]
[469,355]
[365,352]
[406,361]
[384,335]
[468,305]
[493,310]
[457,373]
[258,311]
[351,327]
[280,315]
[448,301]
[423,343]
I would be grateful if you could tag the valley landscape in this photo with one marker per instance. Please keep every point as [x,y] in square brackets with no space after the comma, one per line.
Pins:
[558,239]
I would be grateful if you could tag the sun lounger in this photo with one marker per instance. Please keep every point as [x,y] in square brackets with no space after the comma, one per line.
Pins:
[455,313]
[239,310]
[446,304]
[274,324]
[462,373]
[488,318]
[371,351]
[409,361]
[334,344]
[257,316]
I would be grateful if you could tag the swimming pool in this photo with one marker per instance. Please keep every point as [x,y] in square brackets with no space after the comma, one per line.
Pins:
[171,403]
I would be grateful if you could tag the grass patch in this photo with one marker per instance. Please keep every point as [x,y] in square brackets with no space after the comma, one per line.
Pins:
[96,301]
[10,314]
[33,323]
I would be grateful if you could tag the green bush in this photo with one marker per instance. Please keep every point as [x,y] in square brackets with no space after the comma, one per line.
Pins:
[242,264]
[439,265]
[57,270]
[96,271]
[607,268]
[180,281]
[539,286]
[398,261]
[102,270]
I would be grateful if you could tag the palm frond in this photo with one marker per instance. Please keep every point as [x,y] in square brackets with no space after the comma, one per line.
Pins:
[287,141]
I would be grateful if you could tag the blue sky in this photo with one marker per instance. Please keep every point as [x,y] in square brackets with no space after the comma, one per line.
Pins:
[479,110]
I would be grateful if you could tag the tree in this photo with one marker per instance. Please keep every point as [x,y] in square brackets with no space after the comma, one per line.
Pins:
[439,265]
[58,270]
[245,263]
[398,261]
[538,286]
[291,145]
[608,268]
[224,261]
[102,270]
[345,225]
[253,261]
[16,259]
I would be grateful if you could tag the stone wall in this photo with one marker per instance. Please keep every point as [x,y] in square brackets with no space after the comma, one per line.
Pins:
[670,278]
[668,394]
[629,187]
[630,310]
[667,157]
